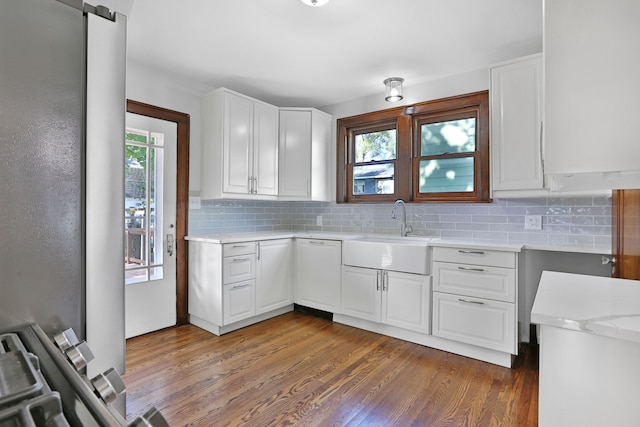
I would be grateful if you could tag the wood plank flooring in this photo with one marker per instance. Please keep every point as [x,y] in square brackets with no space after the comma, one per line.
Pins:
[302,370]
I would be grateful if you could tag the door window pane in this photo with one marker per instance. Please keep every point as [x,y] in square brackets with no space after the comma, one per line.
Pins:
[454,136]
[373,179]
[446,175]
[144,158]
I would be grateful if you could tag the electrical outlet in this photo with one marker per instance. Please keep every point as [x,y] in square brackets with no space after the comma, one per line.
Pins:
[319,220]
[194,202]
[533,222]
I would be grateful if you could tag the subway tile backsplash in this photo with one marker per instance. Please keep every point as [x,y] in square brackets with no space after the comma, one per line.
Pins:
[584,221]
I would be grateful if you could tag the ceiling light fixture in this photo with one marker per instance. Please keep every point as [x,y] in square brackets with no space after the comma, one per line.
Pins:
[315,3]
[393,92]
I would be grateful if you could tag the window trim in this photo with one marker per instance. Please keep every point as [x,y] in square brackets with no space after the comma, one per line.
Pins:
[407,120]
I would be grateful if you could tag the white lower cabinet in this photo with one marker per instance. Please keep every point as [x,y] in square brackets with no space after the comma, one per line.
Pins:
[233,285]
[474,298]
[318,281]
[389,297]
[273,276]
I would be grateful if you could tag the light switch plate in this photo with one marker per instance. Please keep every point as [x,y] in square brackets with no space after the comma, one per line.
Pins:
[533,222]
[319,220]
[194,202]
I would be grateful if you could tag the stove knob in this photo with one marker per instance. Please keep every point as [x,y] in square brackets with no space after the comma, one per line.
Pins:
[108,385]
[152,418]
[79,355]
[65,339]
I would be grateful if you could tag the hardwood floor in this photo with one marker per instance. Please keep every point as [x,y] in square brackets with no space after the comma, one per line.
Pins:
[298,369]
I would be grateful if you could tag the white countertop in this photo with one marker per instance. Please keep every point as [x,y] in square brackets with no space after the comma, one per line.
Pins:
[443,242]
[269,235]
[596,305]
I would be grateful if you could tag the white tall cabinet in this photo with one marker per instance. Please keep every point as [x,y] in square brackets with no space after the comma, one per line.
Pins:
[516,125]
[591,73]
[240,144]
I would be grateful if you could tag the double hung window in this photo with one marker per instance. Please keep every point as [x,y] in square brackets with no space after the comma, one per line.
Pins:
[433,151]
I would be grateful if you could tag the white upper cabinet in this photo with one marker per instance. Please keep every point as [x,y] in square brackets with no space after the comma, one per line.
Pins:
[304,154]
[516,125]
[591,70]
[254,150]
[239,146]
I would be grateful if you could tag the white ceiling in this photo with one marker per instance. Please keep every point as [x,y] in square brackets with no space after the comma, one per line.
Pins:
[290,54]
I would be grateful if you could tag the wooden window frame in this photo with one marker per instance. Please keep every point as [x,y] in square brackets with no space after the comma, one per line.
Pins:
[408,120]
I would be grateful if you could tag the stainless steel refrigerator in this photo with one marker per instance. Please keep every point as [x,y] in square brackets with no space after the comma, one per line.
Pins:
[62,112]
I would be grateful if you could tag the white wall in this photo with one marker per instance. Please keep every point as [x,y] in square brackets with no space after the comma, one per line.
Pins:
[145,84]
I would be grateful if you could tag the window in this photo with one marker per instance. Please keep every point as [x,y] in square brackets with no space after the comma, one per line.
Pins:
[432,151]
[374,155]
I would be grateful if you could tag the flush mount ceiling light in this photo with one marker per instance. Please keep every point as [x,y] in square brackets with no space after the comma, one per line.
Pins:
[393,92]
[315,3]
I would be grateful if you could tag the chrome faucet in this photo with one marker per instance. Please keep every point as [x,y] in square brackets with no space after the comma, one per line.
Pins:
[404,227]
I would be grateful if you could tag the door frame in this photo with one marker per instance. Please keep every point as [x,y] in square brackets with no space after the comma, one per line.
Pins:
[182,199]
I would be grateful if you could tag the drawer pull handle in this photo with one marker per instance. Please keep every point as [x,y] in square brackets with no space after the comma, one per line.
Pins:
[315,242]
[468,301]
[471,252]
[240,246]
[240,259]
[241,286]
[470,269]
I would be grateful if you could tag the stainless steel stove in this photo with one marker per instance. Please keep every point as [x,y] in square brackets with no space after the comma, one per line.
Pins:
[42,384]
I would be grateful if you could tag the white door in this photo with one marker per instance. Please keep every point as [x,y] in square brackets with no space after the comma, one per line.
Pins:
[149,224]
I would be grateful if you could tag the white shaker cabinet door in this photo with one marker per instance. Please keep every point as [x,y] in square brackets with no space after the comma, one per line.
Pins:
[265,150]
[516,125]
[238,301]
[485,323]
[407,301]
[273,276]
[295,153]
[237,143]
[318,278]
[361,292]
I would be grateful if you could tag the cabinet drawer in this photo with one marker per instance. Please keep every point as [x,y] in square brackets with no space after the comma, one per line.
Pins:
[238,301]
[240,248]
[238,268]
[475,256]
[494,283]
[485,323]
